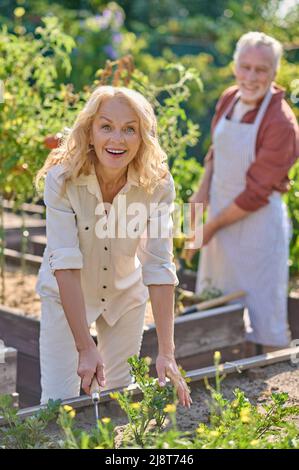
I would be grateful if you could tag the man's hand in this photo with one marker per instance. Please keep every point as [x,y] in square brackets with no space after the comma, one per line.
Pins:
[209,230]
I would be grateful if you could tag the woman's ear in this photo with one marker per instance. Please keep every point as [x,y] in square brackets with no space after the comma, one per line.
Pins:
[90,136]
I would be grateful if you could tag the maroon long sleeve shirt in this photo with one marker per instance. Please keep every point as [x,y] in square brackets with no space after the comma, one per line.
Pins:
[277,148]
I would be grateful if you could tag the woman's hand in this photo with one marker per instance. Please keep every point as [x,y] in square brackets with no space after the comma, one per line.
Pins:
[166,366]
[90,365]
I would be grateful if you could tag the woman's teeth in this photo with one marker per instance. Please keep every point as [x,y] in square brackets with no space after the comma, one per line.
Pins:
[116,152]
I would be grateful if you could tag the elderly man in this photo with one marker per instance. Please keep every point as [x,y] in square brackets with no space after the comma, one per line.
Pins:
[246,236]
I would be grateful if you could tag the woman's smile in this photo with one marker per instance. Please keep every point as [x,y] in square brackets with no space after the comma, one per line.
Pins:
[115,153]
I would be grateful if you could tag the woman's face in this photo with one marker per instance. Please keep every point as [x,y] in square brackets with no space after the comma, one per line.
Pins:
[254,72]
[115,133]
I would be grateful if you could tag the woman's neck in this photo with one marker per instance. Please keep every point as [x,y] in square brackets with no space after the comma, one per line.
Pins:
[111,178]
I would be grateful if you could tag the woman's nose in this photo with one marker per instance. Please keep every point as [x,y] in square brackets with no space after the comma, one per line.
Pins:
[117,136]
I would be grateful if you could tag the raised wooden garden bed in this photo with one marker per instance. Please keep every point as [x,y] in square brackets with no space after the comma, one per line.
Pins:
[22,333]
[197,336]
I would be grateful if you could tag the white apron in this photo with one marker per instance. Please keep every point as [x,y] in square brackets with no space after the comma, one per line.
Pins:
[251,254]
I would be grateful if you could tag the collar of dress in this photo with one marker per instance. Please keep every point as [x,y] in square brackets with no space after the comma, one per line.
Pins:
[92,183]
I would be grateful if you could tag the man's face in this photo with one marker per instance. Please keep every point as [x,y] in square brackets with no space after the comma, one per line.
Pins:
[254,72]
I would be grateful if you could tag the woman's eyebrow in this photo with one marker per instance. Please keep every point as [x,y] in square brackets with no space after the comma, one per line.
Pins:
[107,119]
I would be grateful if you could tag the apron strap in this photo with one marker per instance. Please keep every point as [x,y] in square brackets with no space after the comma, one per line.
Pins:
[260,115]
[263,107]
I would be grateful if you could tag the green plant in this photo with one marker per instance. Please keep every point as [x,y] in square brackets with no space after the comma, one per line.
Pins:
[153,406]
[292,201]
[233,423]
[34,106]
[28,433]
[100,437]
[239,424]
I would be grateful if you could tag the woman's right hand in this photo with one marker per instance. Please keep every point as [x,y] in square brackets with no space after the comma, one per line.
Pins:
[90,365]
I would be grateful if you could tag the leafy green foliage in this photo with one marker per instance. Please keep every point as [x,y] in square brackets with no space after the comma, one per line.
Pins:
[233,423]
[292,201]
[33,105]
[28,433]
[151,407]
[100,437]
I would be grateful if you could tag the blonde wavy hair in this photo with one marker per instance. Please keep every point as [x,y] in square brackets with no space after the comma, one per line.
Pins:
[74,149]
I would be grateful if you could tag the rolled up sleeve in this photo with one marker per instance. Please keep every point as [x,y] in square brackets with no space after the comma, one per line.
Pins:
[61,228]
[156,252]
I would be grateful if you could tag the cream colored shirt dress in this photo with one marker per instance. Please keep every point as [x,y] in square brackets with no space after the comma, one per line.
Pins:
[115,272]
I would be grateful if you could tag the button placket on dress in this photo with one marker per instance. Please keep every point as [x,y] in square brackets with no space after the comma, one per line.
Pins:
[106,253]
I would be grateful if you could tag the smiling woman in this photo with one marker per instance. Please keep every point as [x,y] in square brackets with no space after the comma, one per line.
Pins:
[112,155]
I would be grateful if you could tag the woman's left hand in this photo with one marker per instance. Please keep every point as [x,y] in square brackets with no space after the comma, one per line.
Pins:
[166,366]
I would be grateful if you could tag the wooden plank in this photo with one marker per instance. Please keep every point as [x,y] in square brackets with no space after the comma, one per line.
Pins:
[28,380]
[293,310]
[204,359]
[19,331]
[22,333]
[200,332]
[37,244]
[29,208]
[14,257]
[8,370]
[248,363]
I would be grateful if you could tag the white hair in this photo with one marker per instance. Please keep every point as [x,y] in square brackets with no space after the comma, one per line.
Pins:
[257,39]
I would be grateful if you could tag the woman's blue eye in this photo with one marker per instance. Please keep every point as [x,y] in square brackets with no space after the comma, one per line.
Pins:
[130,130]
[106,127]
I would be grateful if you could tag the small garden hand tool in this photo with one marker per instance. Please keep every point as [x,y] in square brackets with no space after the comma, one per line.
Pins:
[95,396]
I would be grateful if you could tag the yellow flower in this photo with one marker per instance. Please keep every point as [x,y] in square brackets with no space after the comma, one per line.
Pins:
[19,12]
[244,415]
[135,406]
[99,447]
[254,442]
[170,408]
[148,360]
[214,433]
[217,356]
[200,429]
[113,395]
[106,420]
[70,410]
